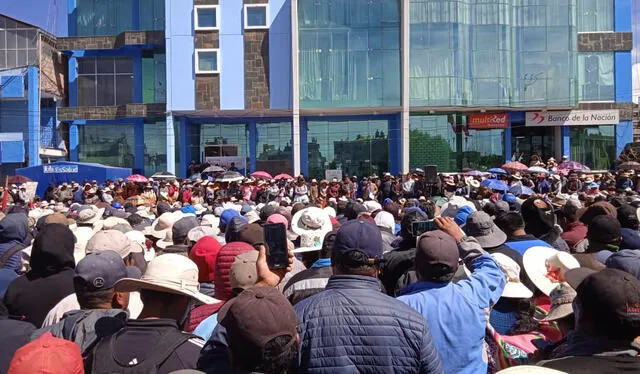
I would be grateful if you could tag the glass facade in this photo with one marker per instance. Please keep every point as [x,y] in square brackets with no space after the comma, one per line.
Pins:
[349,53]
[595,15]
[358,147]
[594,146]
[112,17]
[499,53]
[233,134]
[111,145]
[105,81]
[154,78]
[446,141]
[18,44]
[273,153]
[596,79]
[155,147]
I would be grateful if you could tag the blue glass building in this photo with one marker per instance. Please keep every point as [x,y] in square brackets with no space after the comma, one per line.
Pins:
[366,86]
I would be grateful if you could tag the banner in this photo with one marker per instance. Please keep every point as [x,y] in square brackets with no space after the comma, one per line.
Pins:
[573,118]
[30,189]
[60,169]
[330,174]
[487,121]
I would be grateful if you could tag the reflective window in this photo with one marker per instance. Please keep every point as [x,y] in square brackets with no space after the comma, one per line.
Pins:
[152,15]
[256,16]
[496,53]
[18,44]
[207,61]
[154,78]
[356,147]
[596,79]
[349,53]
[103,17]
[446,141]
[273,153]
[595,15]
[111,145]
[206,17]
[594,146]
[225,134]
[155,147]
[105,81]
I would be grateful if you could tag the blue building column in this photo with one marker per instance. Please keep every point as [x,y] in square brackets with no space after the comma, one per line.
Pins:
[137,76]
[74,140]
[253,145]
[304,147]
[565,141]
[623,72]
[33,124]
[184,148]
[395,144]
[138,138]
[508,148]
[135,15]
[72,79]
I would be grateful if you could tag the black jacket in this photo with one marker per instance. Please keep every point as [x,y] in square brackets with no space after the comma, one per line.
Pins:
[397,264]
[50,279]
[13,335]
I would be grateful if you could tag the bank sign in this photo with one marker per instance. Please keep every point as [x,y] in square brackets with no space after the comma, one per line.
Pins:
[573,118]
[60,169]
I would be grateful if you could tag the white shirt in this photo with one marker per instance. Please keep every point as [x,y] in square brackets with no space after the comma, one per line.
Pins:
[70,303]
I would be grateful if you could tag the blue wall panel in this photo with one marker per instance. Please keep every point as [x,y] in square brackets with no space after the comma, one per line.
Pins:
[623,10]
[33,135]
[231,55]
[280,78]
[12,86]
[180,55]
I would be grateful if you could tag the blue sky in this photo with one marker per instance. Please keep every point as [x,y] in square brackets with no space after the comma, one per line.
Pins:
[50,15]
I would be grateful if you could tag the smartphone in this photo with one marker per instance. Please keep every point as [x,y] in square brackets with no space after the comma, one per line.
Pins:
[275,238]
[420,227]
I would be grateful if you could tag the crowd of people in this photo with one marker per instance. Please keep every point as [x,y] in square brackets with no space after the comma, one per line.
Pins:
[470,274]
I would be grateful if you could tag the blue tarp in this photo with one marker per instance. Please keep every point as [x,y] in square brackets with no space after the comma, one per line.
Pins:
[65,171]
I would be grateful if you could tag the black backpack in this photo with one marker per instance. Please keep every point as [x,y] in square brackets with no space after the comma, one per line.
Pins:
[105,362]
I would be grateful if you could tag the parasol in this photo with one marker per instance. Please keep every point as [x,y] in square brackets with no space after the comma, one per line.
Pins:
[282,176]
[213,169]
[137,178]
[230,176]
[261,175]
[514,166]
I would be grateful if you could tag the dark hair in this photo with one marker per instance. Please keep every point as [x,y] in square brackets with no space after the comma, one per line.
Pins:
[509,222]
[135,219]
[278,357]
[429,209]
[327,245]
[353,263]
[407,220]
[89,299]
[439,273]
[526,309]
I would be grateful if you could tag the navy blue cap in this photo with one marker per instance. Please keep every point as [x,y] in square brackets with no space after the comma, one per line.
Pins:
[359,235]
[101,270]
[626,260]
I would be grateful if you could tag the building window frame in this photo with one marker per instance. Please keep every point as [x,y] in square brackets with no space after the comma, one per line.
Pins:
[196,23]
[206,50]
[246,18]
[95,74]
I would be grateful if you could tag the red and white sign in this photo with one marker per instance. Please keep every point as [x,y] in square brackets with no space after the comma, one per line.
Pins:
[573,118]
[485,121]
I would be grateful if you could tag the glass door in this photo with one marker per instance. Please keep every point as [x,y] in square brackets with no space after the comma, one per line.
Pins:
[532,141]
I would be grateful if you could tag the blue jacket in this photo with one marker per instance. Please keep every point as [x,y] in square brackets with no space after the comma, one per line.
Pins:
[352,327]
[456,313]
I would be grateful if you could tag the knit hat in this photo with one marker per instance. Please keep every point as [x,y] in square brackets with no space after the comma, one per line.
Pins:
[204,254]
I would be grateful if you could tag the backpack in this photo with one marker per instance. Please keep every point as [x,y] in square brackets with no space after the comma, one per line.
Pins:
[105,362]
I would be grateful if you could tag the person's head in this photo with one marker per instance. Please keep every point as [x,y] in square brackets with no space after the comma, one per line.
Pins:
[603,231]
[327,244]
[96,276]
[52,250]
[538,216]
[357,249]
[606,305]
[481,226]
[47,354]
[511,223]
[628,217]
[261,328]
[180,229]
[436,257]
[406,225]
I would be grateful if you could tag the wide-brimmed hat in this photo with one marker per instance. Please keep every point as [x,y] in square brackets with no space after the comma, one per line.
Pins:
[481,226]
[561,302]
[170,273]
[516,175]
[89,215]
[311,220]
[162,225]
[310,241]
[514,288]
[546,267]
[451,207]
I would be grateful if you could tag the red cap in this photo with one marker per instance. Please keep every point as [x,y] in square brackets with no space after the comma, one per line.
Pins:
[204,254]
[47,355]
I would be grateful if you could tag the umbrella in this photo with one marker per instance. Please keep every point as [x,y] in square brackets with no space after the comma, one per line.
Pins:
[521,190]
[282,176]
[629,165]
[495,184]
[137,178]
[514,166]
[195,177]
[18,179]
[262,175]
[213,169]
[573,165]
[538,170]
[477,173]
[230,176]
[163,175]
[497,171]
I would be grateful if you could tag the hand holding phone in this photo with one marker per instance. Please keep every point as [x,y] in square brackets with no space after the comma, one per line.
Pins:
[275,239]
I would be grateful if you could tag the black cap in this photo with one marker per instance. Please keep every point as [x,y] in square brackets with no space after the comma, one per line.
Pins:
[437,248]
[628,217]
[604,229]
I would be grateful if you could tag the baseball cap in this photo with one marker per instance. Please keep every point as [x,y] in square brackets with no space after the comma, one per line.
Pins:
[600,208]
[48,354]
[243,272]
[437,248]
[604,229]
[627,260]
[226,216]
[113,240]
[255,317]
[359,235]
[101,270]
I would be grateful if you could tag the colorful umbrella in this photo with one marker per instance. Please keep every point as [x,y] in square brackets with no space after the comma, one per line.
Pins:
[521,190]
[230,176]
[163,175]
[18,179]
[495,184]
[629,165]
[137,178]
[497,171]
[573,165]
[261,175]
[476,173]
[515,166]
[213,169]
[537,170]
[282,176]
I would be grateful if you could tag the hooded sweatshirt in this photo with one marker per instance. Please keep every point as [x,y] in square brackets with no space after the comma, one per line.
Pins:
[13,231]
[50,279]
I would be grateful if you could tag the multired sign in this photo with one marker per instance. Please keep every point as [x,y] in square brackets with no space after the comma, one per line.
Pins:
[484,121]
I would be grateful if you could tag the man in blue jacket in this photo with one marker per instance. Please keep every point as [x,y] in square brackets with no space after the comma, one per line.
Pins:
[351,326]
[455,312]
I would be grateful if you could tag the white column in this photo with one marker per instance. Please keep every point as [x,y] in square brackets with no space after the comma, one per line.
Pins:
[296,88]
[171,145]
[405,115]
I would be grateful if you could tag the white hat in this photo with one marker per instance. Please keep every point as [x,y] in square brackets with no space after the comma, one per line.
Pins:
[311,220]
[310,241]
[166,241]
[136,237]
[60,207]
[210,220]
[170,273]
[162,225]
[199,209]
[385,219]
[90,215]
[544,263]
[514,288]
[252,217]
[372,206]
[451,207]
[109,223]
[197,233]
[330,211]
[527,369]
[82,234]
